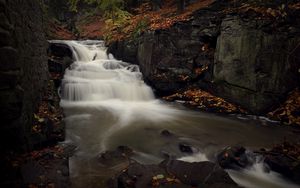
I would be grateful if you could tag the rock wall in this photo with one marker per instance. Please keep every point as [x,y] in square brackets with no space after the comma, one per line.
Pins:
[172,59]
[23,69]
[255,68]
[247,59]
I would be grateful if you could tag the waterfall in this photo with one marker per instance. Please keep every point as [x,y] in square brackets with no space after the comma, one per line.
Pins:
[109,87]
[97,77]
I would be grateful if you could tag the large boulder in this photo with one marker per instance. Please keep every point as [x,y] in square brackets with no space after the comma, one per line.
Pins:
[284,165]
[173,173]
[181,55]
[253,67]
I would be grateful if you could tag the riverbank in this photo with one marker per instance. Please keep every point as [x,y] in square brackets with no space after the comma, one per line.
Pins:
[209,54]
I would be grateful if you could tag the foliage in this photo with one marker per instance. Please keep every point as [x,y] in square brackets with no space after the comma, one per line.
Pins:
[205,101]
[105,5]
[115,24]
[140,27]
[289,112]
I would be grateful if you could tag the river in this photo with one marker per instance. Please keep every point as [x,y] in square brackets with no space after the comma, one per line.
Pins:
[107,104]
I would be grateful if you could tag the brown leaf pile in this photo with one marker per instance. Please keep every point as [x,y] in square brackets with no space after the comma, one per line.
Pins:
[205,101]
[264,12]
[162,180]
[161,19]
[92,28]
[289,112]
[289,149]
[57,31]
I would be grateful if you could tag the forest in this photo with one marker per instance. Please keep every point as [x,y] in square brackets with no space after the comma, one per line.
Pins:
[150,93]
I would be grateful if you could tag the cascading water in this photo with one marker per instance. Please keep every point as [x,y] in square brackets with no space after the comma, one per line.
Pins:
[107,104]
[99,81]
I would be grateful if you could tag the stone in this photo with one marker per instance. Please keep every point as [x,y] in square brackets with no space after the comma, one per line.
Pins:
[9,58]
[23,69]
[120,155]
[249,61]
[234,158]
[166,133]
[59,50]
[284,165]
[185,148]
[125,50]
[9,79]
[204,174]
[198,173]
[252,67]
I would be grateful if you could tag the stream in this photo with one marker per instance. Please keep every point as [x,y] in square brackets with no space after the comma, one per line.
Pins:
[107,104]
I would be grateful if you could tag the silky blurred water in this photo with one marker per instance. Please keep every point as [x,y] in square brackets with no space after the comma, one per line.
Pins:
[107,104]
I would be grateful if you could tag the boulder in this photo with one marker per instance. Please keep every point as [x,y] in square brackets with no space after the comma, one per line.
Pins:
[166,133]
[185,148]
[173,173]
[234,158]
[204,174]
[252,66]
[284,165]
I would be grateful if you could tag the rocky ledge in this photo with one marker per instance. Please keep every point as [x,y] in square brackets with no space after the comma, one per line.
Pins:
[246,53]
[173,173]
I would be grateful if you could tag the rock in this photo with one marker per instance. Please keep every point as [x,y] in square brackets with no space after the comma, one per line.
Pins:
[59,50]
[247,61]
[121,154]
[204,174]
[233,158]
[125,50]
[166,133]
[172,173]
[136,175]
[284,165]
[252,67]
[185,148]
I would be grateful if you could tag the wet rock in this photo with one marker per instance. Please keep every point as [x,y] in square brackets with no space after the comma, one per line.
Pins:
[125,50]
[60,57]
[172,173]
[206,174]
[166,133]
[284,165]
[121,154]
[233,158]
[185,148]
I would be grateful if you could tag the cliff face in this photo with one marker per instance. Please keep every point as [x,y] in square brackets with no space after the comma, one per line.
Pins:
[253,67]
[244,56]
[23,69]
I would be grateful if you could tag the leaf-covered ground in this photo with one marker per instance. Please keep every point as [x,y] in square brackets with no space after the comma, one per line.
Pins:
[289,112]
[147,19]
[58,31]
[205,101]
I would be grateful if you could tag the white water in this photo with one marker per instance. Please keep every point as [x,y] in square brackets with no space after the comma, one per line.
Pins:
[107,104]
[98,81]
